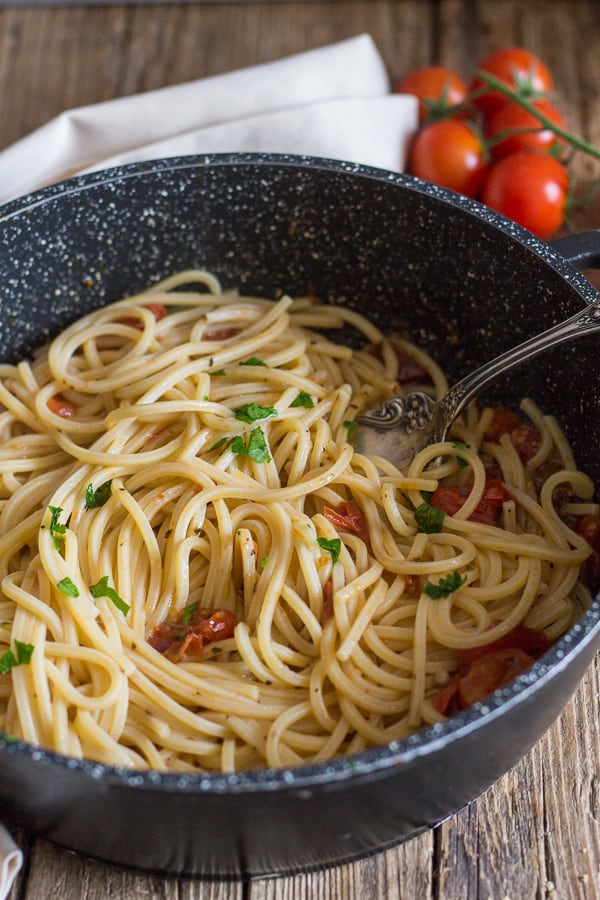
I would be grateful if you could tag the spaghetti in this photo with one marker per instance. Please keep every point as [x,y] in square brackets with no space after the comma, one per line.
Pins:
[199,573]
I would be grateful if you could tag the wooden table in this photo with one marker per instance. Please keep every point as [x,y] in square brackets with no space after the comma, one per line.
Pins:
[536,833]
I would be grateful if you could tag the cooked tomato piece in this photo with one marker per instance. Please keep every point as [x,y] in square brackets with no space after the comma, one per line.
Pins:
[183,639]
[503,421]
[532,641]
[61,407]
[219,334]
[447,701]
[589,528]
[349,517]
[451,498]
[327,601]
[158,310]
[526,440]
[492,671]
[485,669]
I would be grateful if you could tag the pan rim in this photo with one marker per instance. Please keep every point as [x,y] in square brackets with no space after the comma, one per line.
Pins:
[377,760]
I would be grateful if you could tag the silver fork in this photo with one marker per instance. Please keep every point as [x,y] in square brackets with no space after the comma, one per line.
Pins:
[403,426]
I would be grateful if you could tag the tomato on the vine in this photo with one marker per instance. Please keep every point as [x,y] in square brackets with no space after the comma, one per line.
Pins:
[520,69]
[522,130]
[437,89]
[449,153]
[530,188]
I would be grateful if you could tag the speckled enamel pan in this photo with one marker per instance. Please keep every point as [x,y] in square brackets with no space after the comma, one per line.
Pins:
[467,284]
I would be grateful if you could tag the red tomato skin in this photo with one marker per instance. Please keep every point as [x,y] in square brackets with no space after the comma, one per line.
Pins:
[349,517]
[451,498]
[532,641]
[589,528]
[503,421]
[512,117]
[511,65]
[435,84]
[60,407]
[450,154]
[490,672]
[531,189]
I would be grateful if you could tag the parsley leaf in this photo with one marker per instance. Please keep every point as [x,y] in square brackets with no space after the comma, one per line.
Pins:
[188,612]
[303,399]
[217,372]
[98,497]
[23,656]
[462,462]
[429,519]
[251,412]
[102,589]
[350,428]
[254,361]
[238,445]
[56,529]
[218,444]
[257,447]
[67,587]
[445,586]
[333,546]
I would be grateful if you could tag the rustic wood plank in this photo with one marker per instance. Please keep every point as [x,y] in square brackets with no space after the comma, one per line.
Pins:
[403,873]
[72,877]
[568,761]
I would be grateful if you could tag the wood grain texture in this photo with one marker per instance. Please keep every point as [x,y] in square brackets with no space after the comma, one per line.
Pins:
[536,833]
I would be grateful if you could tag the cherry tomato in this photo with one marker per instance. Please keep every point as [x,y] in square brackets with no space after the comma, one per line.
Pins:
[520,69]
[449,153]
[531,188]
[528,133]
[438,89]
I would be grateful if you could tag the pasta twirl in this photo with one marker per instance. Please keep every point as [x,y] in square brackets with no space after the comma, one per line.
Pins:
[199,573]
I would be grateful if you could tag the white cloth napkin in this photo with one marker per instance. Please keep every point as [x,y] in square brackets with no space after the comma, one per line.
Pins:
[333,101]
[11,860]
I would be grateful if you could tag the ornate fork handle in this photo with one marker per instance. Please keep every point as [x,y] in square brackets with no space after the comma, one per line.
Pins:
[460,395]
[417,412]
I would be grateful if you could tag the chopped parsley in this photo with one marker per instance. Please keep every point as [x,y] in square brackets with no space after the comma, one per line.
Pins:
[265,561]
[188,612]
[219,444]
[251,412]
[332,546]
[217,372]
[21,656]
[429,519]
[56,529]
[303,399]
[102,589]
[350,428]
[256,448]
[461,444]
[98,497]
[445,586]
[238,445]
[254,361]
[67,587]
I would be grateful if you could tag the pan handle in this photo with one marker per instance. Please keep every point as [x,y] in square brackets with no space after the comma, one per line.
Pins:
[581,249]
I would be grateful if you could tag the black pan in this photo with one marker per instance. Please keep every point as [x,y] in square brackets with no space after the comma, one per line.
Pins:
[467,284]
